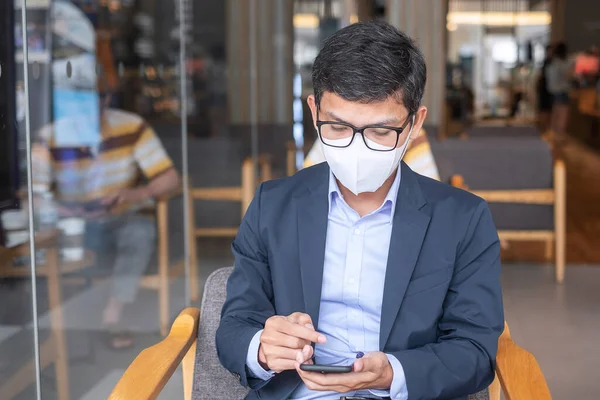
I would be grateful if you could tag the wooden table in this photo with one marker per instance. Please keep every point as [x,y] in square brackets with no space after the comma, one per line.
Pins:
[53,349]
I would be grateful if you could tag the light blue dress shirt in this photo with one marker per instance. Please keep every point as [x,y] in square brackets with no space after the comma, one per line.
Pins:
[352,293]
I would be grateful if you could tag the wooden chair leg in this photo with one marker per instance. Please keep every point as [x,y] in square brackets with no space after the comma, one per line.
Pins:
[188,365]
[495,389]
[163,267]
[265,169]
[194,283]
[248,184]
[560,218]
[57,323]
[549,250]
[291,158]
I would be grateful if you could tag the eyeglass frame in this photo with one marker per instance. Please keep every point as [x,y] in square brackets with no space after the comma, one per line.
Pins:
[355,130]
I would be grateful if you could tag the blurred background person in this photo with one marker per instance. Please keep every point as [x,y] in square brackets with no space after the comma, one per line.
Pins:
[544,97]
[558,75]
[107,177]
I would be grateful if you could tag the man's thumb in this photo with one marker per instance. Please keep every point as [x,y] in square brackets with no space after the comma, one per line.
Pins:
[359,365]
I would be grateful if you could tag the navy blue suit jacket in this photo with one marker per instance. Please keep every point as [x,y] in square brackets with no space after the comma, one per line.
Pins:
[442,308]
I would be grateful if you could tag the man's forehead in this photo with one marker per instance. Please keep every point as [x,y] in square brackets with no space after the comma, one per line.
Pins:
[384,112]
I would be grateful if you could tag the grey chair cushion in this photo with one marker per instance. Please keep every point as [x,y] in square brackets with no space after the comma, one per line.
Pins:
[483,395]
[501,163]
[211,380]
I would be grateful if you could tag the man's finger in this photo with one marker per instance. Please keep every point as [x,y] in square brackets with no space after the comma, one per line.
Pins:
[301,319]
[302,332]
[283,340]
[306,320]
[305,355]
[282,365]
[276,352]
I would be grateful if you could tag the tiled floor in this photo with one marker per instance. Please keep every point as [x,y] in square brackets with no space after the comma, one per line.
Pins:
[559,324]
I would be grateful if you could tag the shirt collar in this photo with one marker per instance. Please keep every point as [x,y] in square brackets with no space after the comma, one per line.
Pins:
[390,198]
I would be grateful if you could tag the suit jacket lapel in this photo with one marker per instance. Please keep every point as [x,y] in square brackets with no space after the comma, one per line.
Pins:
[408,232]
[312,207]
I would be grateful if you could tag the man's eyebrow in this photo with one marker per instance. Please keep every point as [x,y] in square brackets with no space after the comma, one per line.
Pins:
[384,122]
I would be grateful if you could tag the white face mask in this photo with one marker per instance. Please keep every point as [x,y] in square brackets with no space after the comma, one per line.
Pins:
[361,169]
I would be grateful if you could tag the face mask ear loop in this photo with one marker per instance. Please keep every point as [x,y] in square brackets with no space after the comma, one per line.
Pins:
[412,125]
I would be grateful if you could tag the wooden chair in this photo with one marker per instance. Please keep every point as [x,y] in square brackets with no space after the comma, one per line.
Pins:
[191,344]
[243,194]
[160,280]
[555,196]
[524,184]
[53,350]
[166,271]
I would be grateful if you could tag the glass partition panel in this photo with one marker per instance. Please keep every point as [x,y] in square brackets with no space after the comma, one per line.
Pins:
[106,127]
[18,351]
[240,75]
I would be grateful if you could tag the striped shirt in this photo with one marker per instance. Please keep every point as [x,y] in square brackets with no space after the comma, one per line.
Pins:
[419,157]
[127,151]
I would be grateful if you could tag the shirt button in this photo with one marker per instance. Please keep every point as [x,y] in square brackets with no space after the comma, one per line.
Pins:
[357,231]
[351,281]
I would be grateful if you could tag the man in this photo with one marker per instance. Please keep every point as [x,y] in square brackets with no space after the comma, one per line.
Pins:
[107,175]
[372,264]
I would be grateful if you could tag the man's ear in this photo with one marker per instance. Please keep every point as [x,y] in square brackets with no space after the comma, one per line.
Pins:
[418,124]
[312,104]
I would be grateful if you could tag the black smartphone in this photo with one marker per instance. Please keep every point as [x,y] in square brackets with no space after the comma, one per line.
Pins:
[326,369]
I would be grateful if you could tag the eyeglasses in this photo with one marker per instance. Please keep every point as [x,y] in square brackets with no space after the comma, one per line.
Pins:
[376,138]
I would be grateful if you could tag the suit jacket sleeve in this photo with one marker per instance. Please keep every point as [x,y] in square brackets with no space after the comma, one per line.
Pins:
[249,294]
[463,359]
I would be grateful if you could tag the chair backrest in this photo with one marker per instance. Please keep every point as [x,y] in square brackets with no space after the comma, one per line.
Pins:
[513,162]
[522,131]
[502,163]
[211,380]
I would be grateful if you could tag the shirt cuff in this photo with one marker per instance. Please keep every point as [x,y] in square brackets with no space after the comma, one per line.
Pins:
[252,363]
[398,390]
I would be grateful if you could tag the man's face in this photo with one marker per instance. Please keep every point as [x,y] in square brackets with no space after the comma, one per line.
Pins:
[384,113]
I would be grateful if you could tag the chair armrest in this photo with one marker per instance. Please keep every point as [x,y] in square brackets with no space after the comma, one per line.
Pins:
[148,374]
[519,373]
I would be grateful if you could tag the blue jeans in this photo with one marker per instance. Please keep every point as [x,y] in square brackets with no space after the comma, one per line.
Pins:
[124,244]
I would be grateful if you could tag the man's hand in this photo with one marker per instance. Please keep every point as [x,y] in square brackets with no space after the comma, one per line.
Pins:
[286,340]
[70,212]
[373,371]
[127,196]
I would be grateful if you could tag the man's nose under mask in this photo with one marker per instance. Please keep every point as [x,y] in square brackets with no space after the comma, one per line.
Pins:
[361,169]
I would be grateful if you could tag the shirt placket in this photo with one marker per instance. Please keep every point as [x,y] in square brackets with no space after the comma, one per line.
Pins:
[352,272]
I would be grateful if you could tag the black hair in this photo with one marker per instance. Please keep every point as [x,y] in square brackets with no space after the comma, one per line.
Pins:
[560,50]
[368,62]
